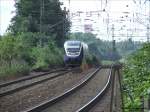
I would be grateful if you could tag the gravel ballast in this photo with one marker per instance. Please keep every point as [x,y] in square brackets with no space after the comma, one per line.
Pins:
[34,95]
[27,82]
[104,104]
[79,98]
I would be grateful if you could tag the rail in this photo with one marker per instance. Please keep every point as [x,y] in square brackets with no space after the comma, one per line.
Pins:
[11,91]
[91,103]
[50,102]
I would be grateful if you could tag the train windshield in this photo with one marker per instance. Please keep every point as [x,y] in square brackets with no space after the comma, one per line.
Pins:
[74,44]
[73,49]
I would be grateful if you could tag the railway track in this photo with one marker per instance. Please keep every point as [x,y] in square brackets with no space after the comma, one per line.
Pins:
[25,82]
[73,92]
[99,96]
[112,97]
[28,77]
[80,97]
[38,93]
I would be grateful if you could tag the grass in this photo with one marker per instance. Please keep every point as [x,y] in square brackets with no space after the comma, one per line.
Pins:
[16,68]
[107,62]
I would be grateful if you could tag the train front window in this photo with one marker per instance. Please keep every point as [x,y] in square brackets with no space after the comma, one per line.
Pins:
[74,44]
[73,50]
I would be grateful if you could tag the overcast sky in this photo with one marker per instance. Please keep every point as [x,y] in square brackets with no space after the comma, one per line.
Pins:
[6,8]
[122,13]
[115,8]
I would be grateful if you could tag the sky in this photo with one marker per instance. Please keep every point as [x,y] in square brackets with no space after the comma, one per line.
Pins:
[122,14]
[125,15]
[6,13]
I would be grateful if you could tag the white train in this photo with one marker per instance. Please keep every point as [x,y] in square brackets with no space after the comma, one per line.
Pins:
[75,52]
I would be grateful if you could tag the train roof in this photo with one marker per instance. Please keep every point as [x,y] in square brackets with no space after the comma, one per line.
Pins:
[75,43]
[72,43]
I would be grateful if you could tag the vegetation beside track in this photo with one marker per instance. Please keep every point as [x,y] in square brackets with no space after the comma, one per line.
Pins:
[21,53]
[136,78]
[103,49]
[35,38]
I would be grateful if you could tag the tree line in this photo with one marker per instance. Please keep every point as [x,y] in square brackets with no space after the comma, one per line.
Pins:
[104,49]
[34,37]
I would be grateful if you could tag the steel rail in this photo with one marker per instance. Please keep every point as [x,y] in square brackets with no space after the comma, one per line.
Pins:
[32,84]
[28,78]
[54,100]
[91,103]
[112,92]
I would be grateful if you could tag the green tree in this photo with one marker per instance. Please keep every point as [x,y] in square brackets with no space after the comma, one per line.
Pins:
[21,53]
[11,56]
[44,16]
[101,49]
[127,47]
[7,49]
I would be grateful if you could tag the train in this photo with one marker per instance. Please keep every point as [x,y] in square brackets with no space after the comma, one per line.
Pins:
[75,52]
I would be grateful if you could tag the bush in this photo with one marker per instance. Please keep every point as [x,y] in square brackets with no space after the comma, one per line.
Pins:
[16,68]
[46,56]
[137,74]
[29,50]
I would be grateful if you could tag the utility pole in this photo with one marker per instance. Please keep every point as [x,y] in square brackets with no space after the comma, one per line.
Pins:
[64,22]
[112,32]
[69,11]
[148,33]
[113,40]
[69,4]
[101,5]
[41,14]
[106,2]
[108,24]
[41,17]
[148,27]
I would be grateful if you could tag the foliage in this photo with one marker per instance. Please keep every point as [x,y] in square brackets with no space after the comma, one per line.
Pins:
[7,49]
[45,57]
[107,62]
[137,73]
[16,68]
[101,49]
[36,31]
[11,61]
[95,61]
[29,18]
[127,47]
[23,52]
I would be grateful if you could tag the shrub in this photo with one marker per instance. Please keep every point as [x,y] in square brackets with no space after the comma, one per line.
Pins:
[137,75]
[46,56]
[28,50]
[16,68]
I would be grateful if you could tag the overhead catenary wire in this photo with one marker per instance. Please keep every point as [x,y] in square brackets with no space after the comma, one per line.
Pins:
[64,19]
[42,10]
